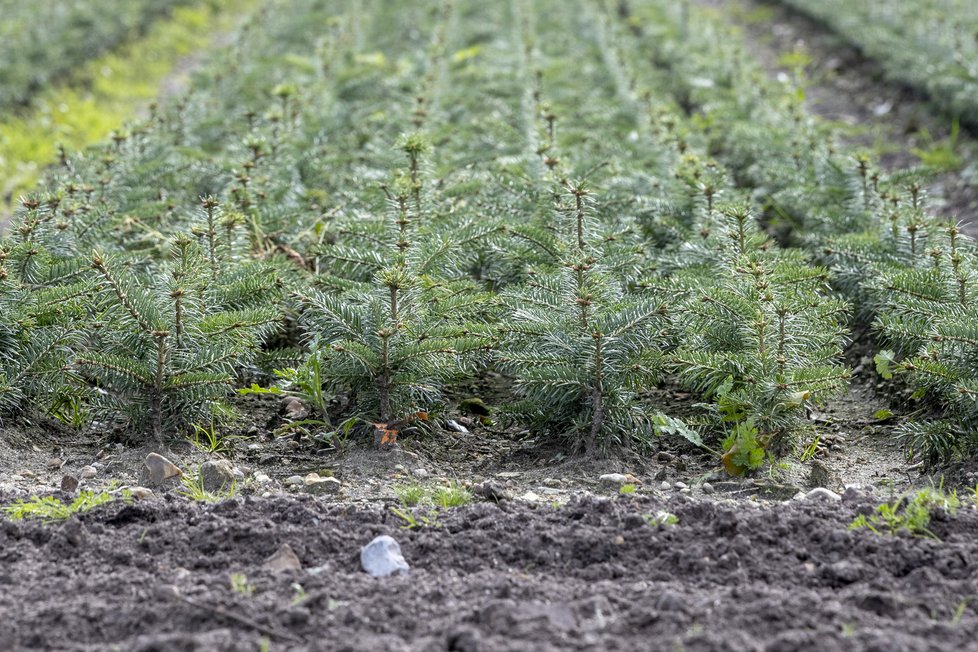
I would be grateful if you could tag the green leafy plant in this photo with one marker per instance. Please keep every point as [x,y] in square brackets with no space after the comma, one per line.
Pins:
[453,495]
[51,509]
[411,495]
[241,585]
[192,487]
[912,513]
[661,519]
[413,521]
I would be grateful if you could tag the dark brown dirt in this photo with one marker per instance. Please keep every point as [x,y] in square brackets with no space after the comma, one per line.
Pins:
[588,576]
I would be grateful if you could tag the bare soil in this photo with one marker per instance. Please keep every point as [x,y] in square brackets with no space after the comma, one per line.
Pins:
[591,575]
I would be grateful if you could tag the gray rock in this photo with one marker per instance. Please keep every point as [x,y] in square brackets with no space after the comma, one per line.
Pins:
[318,486]
[821,493]
[141,493]
[665,486]
[492,491]
[157,470]
[853,494]
[681,485]
[843,572]
[284,559]
[382,557]
[69,483]
[294,408]
[294,481]
[261,478]
[613,479]
[87,472]
[707,488]
[216,476]
[530,497]
[421,474]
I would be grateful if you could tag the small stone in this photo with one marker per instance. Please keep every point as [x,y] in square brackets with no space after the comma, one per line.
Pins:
[707,488]
[492,491]
[400,468]
[464,640]
[216,476]
[254,447]
[681,486]
[665,456]
[665,486]
[87,472]
[69,483]
[853,494]
[530,497]
[613,479]
[456,427]
[420,474]
[843,572]
[821,493]
[552,482]
[141,493]
[508,475]
[157,470]
[382,557]
[294,481]
[284,559]
[321,486]
[239,475]
[261,478]
[55,463]
[294,408]
[670,601]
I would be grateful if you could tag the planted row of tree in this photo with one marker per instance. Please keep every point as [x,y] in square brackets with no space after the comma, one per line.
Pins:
[385,210]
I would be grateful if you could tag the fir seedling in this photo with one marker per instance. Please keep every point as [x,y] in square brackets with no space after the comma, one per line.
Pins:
[406,323]
[42,304]
[163,350]
[395,346]
[580,347]
[928,314]
[762,337]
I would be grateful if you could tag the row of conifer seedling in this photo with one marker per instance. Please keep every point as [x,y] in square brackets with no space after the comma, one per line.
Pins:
[540,266]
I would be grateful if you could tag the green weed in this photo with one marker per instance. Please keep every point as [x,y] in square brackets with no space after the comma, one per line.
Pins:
[51,510]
